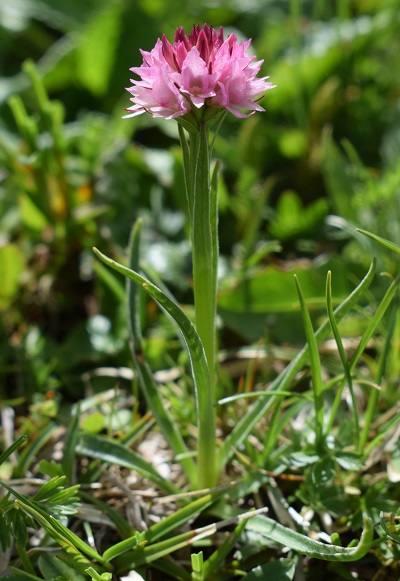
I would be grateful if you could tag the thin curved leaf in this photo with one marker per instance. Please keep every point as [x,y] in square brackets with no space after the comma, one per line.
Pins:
[382,241]
[273,530]
[152,394]
[195,348]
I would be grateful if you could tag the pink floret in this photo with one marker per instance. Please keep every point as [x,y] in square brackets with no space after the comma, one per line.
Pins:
[196,71]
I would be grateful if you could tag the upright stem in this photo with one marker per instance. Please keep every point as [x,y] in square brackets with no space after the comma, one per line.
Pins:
[203,218]
[203,251]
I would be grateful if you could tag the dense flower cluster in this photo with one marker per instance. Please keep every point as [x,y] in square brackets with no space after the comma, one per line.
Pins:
[197,70]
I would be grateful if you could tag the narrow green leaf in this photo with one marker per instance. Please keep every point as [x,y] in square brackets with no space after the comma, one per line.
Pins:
[11,449]
[40,92]
[374,321]
[285,379]
[120,548]
[116,453]
[48,487]
[197,356]
[306,546]
[109,280]
[19,575]
[192,339]
[182,516]
[315,364]
[123,527]
[382,364]
[267,393]
[154,551]
[343,358]
[151,392]
[217,558]
[382,241]
[166,525]
[30,451]
[68,461]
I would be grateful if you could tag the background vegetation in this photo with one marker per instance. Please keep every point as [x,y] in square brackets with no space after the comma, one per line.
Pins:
[296,182]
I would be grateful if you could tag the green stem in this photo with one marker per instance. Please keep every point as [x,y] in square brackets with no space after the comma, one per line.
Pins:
[203,217]
[203,233]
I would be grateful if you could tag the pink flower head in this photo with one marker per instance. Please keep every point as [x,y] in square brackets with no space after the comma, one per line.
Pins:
[198,70]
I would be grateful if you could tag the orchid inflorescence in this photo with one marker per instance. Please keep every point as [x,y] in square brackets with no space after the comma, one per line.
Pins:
[198,70]
[196,81]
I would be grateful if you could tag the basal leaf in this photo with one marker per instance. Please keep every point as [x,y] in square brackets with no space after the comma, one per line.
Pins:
[113,452]
[306,546]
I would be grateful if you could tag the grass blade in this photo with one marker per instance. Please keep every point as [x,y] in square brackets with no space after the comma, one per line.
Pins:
[32,449]
[374,395]
[11,449]
[68,462]
[315,365]
[369,331]
[342,355]
[382,241]
[285,379]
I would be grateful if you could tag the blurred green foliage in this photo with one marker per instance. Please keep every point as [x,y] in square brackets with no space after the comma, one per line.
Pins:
[74,174]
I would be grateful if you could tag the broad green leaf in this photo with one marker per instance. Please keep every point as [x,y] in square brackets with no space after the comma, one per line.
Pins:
[31,215]
[94,423]
[245,301]
[294,219]
[115,453]
[11,267]
[97,48]
[51,567]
